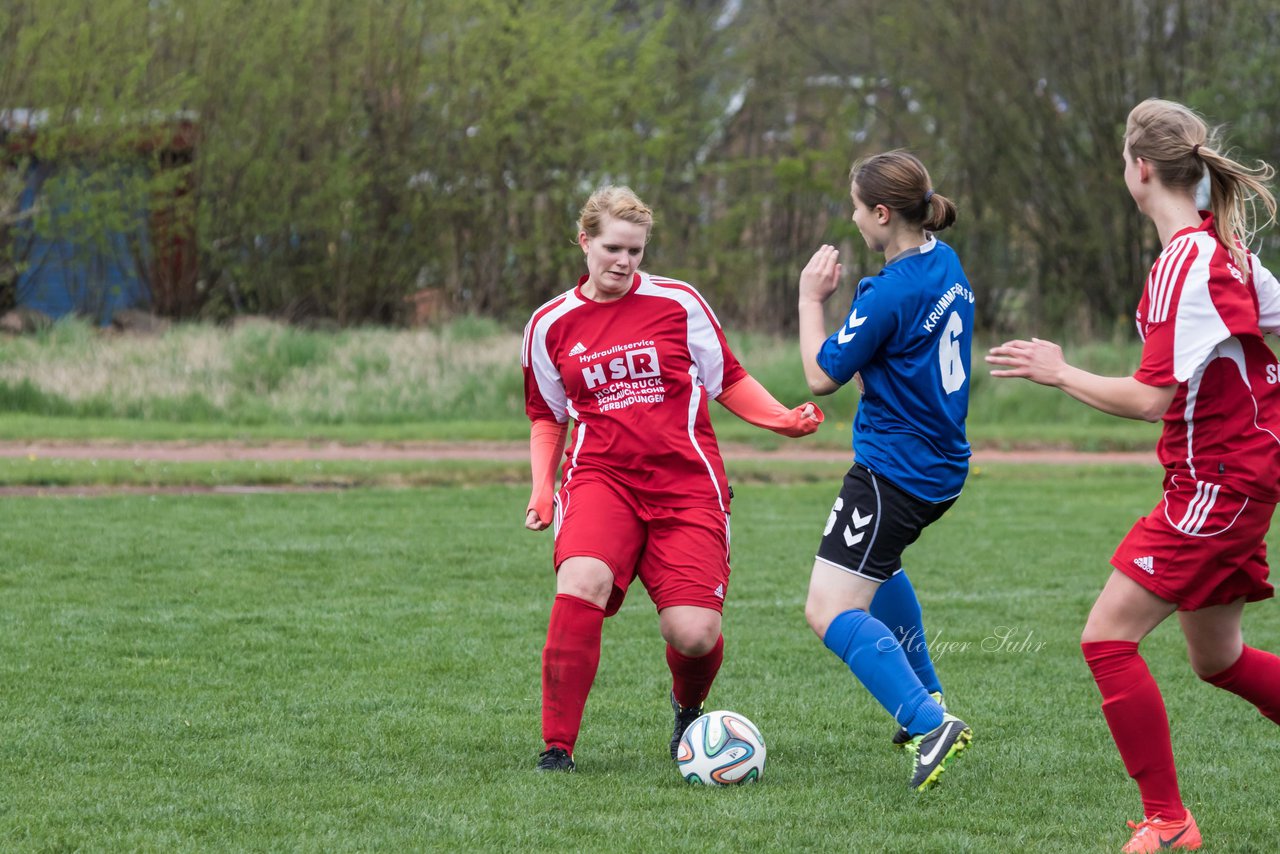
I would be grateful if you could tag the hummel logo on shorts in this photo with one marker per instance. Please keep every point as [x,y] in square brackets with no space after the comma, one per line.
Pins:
[578,348]
[1146,564]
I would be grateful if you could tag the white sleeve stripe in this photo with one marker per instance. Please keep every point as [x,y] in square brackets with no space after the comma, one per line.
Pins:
[1268,291]
[1199,326]
[1173,267]
[686,288]
[545,374]
[1163,280]
[703,342]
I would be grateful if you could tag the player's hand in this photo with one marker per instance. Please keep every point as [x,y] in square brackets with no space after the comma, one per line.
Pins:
[807,419]
[821,276]
[533,523]
[1037,360]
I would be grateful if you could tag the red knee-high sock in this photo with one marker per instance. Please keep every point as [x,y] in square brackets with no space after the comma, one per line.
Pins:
[1135,713]
[691,678]
[569,662]
[1256,677]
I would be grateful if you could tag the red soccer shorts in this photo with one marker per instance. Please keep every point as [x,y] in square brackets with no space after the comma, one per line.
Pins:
[1200,546]
[681,555]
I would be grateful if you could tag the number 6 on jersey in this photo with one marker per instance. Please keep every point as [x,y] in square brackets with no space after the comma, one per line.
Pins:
[949,362]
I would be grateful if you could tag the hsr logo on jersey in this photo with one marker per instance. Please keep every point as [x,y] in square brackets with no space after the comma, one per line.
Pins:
[634,364]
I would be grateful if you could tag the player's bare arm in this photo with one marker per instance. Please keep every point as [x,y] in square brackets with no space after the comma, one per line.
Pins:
[818,281]
[1042,362]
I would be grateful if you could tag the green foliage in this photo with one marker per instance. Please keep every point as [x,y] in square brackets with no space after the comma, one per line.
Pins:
[331,672]
[350,155]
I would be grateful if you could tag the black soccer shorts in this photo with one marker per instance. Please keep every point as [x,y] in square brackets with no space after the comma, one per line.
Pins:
[872,523]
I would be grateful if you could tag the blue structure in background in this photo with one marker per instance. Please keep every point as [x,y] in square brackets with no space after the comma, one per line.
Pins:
[69,274]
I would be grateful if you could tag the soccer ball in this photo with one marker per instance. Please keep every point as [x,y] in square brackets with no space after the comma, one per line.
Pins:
[721,749]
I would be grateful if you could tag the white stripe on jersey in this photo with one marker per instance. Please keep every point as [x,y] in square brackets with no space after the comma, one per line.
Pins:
[580,434]
[695,398]
[535,355]
[704,343]
[1189,412]
[1164,277]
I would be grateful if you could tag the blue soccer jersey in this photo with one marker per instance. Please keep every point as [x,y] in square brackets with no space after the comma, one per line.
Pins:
[909,334]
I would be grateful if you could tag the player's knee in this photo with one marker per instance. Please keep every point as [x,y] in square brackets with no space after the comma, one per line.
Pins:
[1209,663]
[591,581]
[694,638]
[817,613]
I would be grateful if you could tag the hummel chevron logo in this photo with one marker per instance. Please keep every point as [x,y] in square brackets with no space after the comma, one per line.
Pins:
[859,521]
[851,324]
[1147,564]
[578,348]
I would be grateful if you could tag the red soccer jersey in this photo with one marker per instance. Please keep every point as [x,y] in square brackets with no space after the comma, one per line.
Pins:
[635,375]
[1202,329]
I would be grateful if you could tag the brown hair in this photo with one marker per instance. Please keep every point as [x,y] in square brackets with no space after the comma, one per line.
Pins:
[898,180]
[1180,146]
[617,202]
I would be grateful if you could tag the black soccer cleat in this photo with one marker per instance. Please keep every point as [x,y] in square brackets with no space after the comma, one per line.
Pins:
[684,717]
[901,737]
[933,749]
[555,759]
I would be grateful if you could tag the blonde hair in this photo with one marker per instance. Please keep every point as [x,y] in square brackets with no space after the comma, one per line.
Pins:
[1180,147]
[898,180]
[617,202]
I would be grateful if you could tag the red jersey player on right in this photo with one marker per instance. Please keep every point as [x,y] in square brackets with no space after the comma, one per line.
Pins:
[1208,373]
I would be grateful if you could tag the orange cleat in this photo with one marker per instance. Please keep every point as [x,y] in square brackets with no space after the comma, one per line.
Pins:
[1156,834]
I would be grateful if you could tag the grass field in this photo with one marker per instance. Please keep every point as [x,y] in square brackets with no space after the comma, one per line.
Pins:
[357,670]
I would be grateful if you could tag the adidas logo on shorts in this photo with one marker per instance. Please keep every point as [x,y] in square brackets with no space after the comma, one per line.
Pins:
[719,591]
[1146,564]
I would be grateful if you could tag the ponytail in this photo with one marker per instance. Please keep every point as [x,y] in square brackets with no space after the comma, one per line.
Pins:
[1234,193]
[898,180]
[1182,150]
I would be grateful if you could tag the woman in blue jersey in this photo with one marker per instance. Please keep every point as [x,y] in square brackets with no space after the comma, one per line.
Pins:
[907,342]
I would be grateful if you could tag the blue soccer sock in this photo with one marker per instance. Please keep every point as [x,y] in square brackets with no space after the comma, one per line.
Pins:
[895,604]
[876,658]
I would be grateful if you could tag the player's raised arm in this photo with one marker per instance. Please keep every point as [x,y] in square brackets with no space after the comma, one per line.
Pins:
[818,281]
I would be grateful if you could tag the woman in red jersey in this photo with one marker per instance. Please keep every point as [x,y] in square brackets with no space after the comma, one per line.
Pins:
[634,359]
[1208,373]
